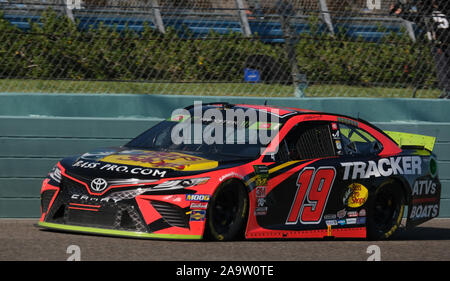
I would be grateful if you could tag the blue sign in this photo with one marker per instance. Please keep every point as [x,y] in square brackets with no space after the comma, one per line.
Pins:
[251,75]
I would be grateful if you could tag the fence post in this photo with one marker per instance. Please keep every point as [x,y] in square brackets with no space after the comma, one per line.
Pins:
[67,9]
[285,10]
[157,19]
[243,18]
[326,15]
[410,30]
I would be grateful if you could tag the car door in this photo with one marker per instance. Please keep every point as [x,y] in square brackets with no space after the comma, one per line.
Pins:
[302,178]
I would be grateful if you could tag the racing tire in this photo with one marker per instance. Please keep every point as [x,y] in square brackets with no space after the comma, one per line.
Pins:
[385,212]
[227,213]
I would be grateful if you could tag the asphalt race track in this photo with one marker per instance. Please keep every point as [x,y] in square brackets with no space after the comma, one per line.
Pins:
[21,240]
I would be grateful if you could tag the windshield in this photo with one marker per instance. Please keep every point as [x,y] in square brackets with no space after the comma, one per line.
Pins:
[211,136]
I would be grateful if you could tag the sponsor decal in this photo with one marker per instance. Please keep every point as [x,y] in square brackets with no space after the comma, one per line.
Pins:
[424,211]
[336,135]
[362,213]
[424,187]
[338,144]
[197,215]
[161,159]
[350,221]
[261,202]
[198,197]
[261,211]
[329,217]
[199,205]
[405,165]
[262,176]
[86,165]
[341,222]
[356,195]
[352,214]
[361,220]
[120,168]
[340,214]
[261,169]
[334,126]
[261,180]
[331,222]
[260,191]
[230,175]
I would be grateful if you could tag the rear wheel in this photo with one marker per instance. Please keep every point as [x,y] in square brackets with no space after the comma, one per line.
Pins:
[227,212]
[385,212]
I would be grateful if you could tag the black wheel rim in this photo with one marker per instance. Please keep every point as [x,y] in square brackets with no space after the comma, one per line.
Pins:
[225,209]
[386,210]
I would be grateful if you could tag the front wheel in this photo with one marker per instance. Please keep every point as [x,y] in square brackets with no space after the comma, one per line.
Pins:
[227,212]
[386,208]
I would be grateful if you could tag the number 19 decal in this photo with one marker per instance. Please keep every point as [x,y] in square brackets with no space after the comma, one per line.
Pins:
[313,189]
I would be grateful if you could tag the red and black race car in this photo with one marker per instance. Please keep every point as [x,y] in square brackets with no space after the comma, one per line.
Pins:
[228,171]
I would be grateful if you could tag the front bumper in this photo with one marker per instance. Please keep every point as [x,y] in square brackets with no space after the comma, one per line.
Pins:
[68,206]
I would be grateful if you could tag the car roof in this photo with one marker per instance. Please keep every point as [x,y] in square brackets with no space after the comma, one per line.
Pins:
[282,111]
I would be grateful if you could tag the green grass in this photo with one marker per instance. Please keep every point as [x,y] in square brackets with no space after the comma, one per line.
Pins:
[206,89]
[371,92]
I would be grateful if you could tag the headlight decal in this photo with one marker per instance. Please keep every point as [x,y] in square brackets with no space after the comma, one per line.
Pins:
[177,184]
[55,174]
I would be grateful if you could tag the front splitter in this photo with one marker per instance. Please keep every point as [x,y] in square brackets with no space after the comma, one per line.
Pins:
[112,232]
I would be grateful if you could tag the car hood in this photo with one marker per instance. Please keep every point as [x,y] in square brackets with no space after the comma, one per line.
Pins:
[125,162]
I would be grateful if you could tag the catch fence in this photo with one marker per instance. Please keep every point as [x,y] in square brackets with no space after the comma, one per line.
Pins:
[326,48]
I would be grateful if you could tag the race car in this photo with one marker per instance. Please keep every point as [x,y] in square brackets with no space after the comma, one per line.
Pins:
[223,171]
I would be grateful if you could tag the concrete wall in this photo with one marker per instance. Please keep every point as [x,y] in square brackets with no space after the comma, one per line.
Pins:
[36,130]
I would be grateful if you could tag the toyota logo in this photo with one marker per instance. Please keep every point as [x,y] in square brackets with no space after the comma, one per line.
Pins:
[98,184]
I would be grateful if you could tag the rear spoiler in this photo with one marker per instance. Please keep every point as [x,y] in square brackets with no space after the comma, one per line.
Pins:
[412,140]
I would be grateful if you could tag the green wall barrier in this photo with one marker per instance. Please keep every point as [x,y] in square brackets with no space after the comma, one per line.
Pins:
[160,106]
[37,130]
